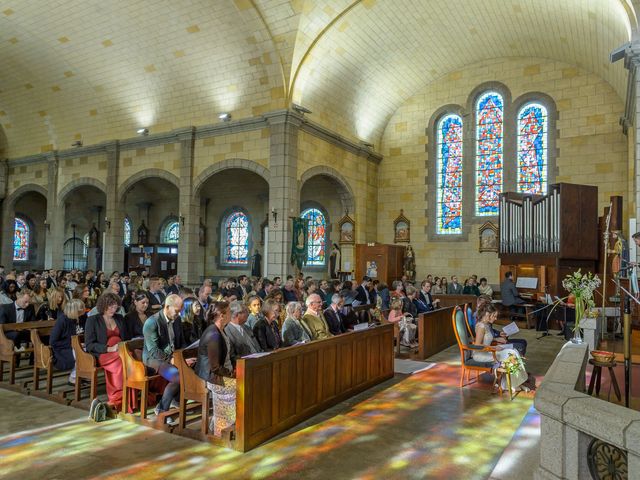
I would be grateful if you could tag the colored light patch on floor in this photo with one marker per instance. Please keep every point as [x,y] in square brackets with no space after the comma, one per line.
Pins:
[423,426]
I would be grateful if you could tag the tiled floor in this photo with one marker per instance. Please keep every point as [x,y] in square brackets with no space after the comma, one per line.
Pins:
[417,426]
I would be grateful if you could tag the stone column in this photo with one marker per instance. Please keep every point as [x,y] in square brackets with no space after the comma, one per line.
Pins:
[190,266]
[6,252]
[54,232]
[283,189]
[113,244]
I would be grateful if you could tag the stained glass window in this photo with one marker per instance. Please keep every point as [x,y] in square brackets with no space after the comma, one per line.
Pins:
[236,228]
[489,146]
[171,233]
[449,175]
[532,149]
[20,240]
[316,247]
[127,231]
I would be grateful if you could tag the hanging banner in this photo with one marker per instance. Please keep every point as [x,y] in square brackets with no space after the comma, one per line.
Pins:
[299,242]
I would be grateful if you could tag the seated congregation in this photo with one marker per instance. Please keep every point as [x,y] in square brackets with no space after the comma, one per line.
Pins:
[220,323]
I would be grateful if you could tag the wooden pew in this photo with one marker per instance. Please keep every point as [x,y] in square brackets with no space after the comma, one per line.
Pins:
[435,331]
[192,387]
[277,391]
[86,369]
[7,352]
[453,300]
[43,360]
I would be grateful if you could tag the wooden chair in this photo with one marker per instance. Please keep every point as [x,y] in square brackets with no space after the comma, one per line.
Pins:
[42,360]
[10,356]
[86,369]
[134,373]
[467,363]
[469,320]
[192,387]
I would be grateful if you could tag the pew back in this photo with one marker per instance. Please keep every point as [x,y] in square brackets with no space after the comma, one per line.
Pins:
[435,331]
[277,391]
[453,300]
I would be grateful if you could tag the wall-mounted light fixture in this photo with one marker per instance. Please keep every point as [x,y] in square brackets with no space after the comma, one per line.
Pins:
[366,144]
[107,223]
[47,225]
[225,117]
[274,214]
[300,108]
[181,218]
[143,132]
[77,143]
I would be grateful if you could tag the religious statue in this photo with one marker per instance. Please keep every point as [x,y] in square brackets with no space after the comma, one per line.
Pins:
[94,237]
[620,255]
[256,264]
[335,258]
[143,234]
[409,263]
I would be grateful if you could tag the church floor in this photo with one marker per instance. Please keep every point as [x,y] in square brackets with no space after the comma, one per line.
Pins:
[417,426]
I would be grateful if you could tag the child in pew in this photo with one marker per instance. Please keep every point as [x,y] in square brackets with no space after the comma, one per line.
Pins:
[408,328]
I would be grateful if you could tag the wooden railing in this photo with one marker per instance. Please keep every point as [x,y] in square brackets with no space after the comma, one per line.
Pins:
[453,300]
[435,331]
[277,391]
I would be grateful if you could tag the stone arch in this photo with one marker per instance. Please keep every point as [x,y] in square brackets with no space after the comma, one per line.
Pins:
[347,198]
[147,173]
[80,182]
[29,187]
[228,164]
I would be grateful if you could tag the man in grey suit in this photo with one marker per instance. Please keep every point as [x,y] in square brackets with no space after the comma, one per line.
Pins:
[241,339]
[509,292]
[454,288]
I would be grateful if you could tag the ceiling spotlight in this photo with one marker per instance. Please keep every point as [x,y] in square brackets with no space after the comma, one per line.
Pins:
[77,143]
[143,131]
[225,117]
[300,108]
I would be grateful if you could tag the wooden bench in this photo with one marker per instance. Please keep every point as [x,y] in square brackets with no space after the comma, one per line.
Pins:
[454,300]
[86,369]
[192,387]
[435,332]
[7,350]
[134,374]
[275,392]
[43,360]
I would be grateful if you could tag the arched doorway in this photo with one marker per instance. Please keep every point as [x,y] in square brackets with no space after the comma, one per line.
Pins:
[84,212]
[234,206]
[151,206]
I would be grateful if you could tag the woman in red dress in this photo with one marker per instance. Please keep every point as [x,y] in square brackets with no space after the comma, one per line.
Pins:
[103,332]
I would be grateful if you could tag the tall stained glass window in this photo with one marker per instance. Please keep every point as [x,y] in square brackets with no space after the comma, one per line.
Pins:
[236,232]
[20,240]
[449,175]
[171,233]
[316,248]
[489,146]
[127,231]
[532,149]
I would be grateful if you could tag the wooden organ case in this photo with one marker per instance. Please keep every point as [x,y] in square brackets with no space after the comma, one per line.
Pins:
[549,236]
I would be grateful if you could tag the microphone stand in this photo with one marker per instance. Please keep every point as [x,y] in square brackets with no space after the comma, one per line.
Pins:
[604,273]
[627,343]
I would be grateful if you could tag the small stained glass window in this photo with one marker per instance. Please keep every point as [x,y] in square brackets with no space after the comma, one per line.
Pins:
[20,240]
[316,246]
[236,231]
[171,233]
[127,231]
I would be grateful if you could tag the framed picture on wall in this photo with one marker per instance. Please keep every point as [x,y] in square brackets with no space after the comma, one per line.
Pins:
[488,238]
[347,230]
[402,229]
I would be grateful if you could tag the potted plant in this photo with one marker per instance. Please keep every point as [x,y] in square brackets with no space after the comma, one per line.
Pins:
[581,287]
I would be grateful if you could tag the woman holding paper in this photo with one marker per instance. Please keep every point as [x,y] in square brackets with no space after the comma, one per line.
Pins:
[488,314]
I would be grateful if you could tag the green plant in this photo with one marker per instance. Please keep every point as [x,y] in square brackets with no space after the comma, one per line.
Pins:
[581,286]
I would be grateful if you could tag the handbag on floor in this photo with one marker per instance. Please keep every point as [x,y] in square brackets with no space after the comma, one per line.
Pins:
[98,411]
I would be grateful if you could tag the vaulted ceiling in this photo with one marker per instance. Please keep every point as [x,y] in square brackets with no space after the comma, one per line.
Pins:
[96,70]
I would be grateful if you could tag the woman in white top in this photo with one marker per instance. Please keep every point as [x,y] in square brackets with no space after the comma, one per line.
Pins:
[484,336]
[485,288]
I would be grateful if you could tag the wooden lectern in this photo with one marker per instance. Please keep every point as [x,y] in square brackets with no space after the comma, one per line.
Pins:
[381,262]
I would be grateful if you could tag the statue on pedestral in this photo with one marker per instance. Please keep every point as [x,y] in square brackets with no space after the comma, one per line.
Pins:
[334,261]
[620,253]
[410,263]
[256,264]
[94,237]
[143,234]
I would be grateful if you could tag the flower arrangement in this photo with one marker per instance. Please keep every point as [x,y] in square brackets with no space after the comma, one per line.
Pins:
[513,364]
[581,286]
